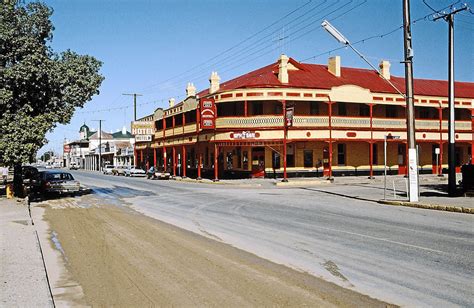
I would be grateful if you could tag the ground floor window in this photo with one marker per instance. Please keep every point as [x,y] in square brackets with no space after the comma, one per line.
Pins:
[245,160]
[458,156]
[275,160]
[308,158]
[341,154]
[239,157]
[229,160]
[375,154]
[290,160]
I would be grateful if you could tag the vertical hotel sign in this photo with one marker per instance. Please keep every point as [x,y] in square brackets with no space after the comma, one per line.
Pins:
[208,113]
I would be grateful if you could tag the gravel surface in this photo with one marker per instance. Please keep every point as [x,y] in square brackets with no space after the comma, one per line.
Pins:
[406,256]
[123,258]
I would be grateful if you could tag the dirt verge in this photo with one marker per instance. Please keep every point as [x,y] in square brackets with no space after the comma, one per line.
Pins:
[123,258]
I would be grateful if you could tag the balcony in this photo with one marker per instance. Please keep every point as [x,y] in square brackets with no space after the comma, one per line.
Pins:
[338,122]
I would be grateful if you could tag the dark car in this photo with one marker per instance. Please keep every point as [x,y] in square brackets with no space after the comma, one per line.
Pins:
[57,182]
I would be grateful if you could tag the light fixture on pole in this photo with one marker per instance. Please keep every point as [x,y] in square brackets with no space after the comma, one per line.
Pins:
[413,175]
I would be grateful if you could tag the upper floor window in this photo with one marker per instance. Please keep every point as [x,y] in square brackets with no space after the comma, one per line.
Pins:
[364,110]
[257,108]
[391,111]
[313,108]
[341,109]
[159,125]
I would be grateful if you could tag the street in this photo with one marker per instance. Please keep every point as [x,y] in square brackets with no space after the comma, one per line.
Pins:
[400,255]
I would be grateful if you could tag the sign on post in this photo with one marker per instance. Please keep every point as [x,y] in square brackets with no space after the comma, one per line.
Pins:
[289,112]
[208,113]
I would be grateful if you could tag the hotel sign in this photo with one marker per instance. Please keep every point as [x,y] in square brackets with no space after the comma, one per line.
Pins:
[208,113]
[143,127]
[143,138]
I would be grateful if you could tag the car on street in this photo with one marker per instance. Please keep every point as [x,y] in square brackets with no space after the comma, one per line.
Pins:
[108,169]
[119,170]
[162,174]
[57,182]
[133,171]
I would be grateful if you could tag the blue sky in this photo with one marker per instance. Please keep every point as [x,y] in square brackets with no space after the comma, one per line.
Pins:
[156,47]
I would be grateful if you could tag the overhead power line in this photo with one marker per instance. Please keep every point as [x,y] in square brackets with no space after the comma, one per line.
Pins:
[262,45]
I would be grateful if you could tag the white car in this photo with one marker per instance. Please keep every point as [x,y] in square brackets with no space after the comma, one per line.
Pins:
[133,171]
[108,169]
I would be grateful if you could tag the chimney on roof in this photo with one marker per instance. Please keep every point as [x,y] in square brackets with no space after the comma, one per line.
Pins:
[385,69]
[124,130]
[190,90]
[171,102]
[283,68]
[214,82]
[334,66]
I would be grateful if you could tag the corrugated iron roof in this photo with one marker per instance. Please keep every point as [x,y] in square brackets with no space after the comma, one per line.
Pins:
[317,76]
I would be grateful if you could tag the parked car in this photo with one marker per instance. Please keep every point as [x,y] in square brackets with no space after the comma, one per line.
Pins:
[73,166]
[119,170]
[133,171]
[57,182]
[108,169]
[162,174]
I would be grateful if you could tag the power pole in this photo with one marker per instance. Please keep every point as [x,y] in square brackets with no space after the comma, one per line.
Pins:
[100,143]
[134,103]
[449,17]
[410,109]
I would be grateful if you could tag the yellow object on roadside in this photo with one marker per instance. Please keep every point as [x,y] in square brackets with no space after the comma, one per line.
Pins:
[9,191]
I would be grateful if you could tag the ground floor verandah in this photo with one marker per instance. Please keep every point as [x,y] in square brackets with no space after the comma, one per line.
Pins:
[303,158]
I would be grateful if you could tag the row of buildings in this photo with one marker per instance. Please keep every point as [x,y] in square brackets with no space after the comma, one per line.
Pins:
[98,148]
[309,119]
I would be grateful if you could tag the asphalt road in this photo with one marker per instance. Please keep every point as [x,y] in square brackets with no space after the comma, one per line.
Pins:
[402,255]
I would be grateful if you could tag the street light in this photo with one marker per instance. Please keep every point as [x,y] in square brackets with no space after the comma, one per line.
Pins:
[335,33]
[412,155]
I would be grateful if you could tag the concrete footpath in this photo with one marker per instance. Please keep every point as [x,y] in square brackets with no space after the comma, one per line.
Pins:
[23,279]
[433,190]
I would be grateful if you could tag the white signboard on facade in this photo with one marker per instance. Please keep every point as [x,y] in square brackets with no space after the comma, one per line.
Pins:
[143,127]
[244,135]
[143,138]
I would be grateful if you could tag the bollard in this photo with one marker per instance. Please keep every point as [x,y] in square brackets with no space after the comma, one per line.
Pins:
[9,191]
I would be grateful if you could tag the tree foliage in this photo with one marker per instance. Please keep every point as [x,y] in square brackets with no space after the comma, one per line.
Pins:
[38,87]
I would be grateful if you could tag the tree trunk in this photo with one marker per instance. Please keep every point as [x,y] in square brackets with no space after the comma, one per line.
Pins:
[18,181]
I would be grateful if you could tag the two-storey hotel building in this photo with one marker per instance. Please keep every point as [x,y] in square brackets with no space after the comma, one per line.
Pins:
[324,119]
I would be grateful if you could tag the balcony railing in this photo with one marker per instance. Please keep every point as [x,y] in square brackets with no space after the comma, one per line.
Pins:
[274,121]
[250,122]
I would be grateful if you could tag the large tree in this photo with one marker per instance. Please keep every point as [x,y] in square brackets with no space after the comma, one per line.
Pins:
[38,87]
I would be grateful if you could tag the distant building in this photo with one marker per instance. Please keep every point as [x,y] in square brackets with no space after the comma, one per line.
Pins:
[115,148]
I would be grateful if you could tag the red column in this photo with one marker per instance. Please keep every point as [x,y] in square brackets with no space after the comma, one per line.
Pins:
[198,119]
[216,159]
[285,179]
[199,166]
[154,158]
[141,157]
[183,161]
[245,109]
[165,163]
[330,136]
[440,162]
[472,140]
[371,143]
[135,156]
[174,161]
